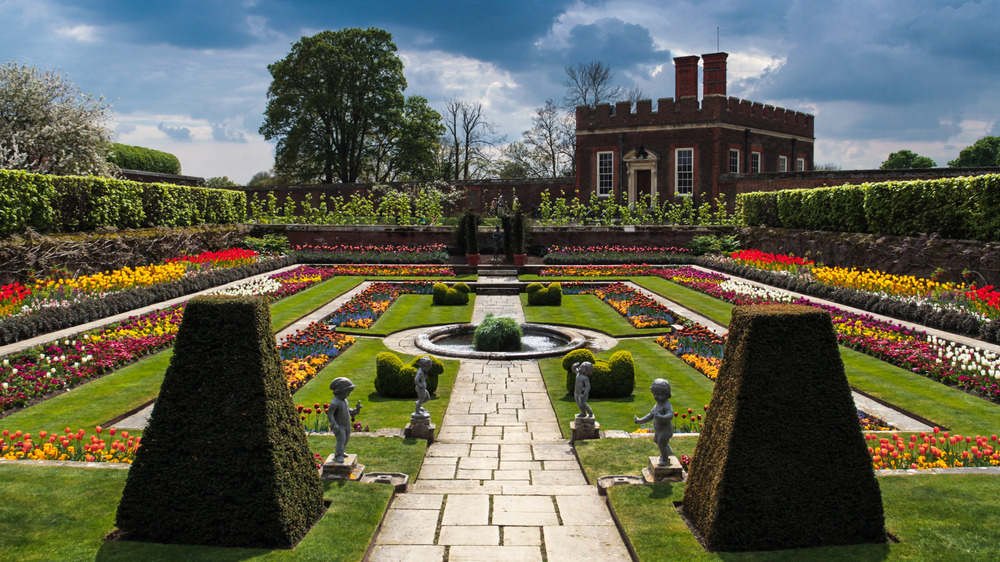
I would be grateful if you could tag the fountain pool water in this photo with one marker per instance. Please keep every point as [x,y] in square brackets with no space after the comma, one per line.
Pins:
[540,340]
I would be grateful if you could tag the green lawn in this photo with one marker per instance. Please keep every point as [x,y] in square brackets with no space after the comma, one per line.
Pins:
[934,517]
[585,311]
[410,311]
[57,513]
[690,388]
[358,364]
[290,309]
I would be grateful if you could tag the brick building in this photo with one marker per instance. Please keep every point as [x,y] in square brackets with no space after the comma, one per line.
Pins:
[683,147]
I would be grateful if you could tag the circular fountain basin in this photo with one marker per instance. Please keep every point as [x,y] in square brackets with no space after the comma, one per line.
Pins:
[540,340]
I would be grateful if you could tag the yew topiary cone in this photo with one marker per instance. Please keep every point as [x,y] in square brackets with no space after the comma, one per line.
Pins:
[781,461]
[224,460]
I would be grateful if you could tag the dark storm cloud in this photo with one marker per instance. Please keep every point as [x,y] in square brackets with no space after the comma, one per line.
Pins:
[615,42]
[175,133]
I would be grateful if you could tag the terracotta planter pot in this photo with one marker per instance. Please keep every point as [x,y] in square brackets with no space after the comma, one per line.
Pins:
[473,259]
[519,259]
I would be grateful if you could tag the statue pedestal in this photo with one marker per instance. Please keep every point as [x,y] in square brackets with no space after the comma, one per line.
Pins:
[420,427]
[584,428]
[667,473]
[347,470]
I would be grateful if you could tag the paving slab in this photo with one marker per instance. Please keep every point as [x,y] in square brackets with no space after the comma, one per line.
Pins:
[408,526]
[465,535]
[565,543]
[522,536]
[418,501]
[407,553]
[467,510]
[494,553]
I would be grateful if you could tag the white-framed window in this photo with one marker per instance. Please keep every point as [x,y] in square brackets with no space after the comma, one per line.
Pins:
[782,163]
[605,173]
[800,164]
[754,162]
[684,171]
[734,161]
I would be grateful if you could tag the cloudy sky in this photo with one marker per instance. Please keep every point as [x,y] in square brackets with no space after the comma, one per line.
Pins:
[190,76]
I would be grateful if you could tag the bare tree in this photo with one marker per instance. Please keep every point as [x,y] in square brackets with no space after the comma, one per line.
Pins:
[470,135]
[551,140]
[592,83]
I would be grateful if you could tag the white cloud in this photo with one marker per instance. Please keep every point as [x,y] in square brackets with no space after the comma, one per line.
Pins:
[82,33]
[447,75]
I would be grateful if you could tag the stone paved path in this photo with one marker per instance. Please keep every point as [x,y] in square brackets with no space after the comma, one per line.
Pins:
[500,483]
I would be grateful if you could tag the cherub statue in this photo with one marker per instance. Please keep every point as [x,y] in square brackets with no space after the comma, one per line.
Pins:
[424,365]
[582,390]
[662,416]
[340,414]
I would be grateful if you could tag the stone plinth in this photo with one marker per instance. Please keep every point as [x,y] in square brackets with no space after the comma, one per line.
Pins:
[420,427]
[665,473]
[584,428]
[347,470]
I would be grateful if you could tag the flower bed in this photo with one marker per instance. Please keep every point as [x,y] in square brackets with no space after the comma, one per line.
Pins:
[367,306]
[615,254]
[395,270]
[389,253]
[69,446]
[64,364]
[640,310]
[932,450]
[17,299]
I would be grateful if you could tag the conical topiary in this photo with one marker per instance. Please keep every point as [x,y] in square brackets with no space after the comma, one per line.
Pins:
[224,460]
[781,461]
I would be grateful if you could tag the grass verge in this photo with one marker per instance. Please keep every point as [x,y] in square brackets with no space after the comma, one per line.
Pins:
[291,308]
[586,311]
[410,311]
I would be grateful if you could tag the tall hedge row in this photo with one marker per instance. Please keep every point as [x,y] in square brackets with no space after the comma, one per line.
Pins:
[74,203]
[144,159]
[961,208]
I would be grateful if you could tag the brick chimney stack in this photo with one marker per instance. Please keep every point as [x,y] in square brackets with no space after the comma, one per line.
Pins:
[715,74]
[686,77]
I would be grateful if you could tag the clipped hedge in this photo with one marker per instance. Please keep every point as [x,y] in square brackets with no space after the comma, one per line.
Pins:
[544,296]
[393,379]
[456,295]
[755,485]
[143,159]
[614,378]
[960,208]
[249,482]
[75,203]
[46,320]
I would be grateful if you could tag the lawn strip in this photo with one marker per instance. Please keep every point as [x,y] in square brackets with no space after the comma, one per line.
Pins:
[410,311]
[289,309]
[378,454]
[97,401]
[959,411]
[714,309]
[125,389]
[358,364]
[58,513]
[690,388]
[585,311]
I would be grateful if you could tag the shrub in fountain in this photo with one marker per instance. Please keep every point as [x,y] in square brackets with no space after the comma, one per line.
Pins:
[249,481]
[497,333]
[614,378]
[456,295]
[753,483]
[538,295]
[394,379]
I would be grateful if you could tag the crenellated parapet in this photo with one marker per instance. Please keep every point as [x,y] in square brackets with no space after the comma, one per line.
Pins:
[712,109]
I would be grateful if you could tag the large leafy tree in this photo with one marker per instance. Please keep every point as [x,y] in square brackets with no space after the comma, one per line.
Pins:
[407,150]
[328,102]
[906,159]
[984,153]
[48,126]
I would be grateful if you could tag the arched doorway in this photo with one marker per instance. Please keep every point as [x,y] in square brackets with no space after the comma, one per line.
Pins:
[642,181]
